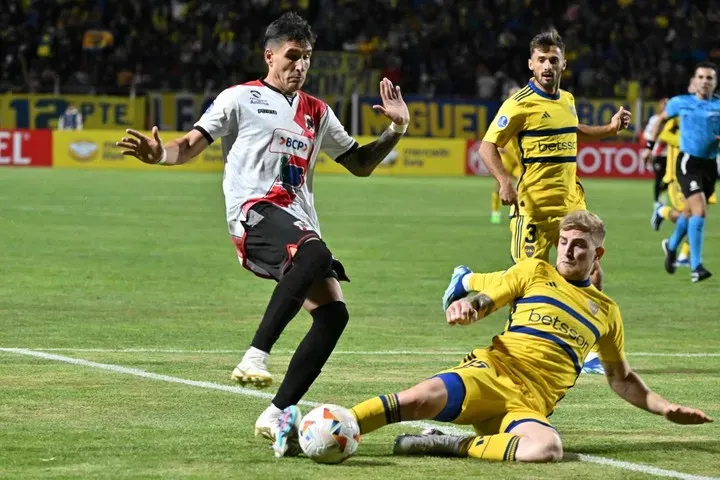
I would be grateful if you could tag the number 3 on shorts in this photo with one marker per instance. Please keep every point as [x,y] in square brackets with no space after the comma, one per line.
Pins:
[531,233]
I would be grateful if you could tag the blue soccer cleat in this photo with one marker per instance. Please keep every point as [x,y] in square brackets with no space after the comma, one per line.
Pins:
[455,290]
[592,365]
[287,443]
[656,219]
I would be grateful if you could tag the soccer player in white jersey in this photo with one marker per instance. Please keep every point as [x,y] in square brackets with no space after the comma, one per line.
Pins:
[271,135]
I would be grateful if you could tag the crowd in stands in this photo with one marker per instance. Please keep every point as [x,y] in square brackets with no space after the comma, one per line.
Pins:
[468,48]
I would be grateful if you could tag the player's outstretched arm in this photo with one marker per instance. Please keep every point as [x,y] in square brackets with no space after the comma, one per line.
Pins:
[630,387]
[362,161]
[619,122]
[469,310]
[152,151]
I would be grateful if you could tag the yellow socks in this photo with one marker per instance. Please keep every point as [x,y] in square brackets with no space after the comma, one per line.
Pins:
[684,250]
[495,202]
[665,212]
[499,447]
[377,412]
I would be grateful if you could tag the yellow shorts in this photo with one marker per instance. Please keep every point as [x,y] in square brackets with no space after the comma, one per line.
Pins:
[533,237]
[677,200]
[484,394]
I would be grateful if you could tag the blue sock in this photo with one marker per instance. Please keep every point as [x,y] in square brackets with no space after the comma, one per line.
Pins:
[681,228]
[696,227]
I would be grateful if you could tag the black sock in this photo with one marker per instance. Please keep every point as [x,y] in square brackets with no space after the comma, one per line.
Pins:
[660,187]
[311,262]
[329,321]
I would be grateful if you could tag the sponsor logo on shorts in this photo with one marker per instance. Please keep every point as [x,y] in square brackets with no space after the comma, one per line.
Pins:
[502,121]
[694,186]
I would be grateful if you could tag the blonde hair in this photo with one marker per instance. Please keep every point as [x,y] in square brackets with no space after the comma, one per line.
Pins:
[585,221]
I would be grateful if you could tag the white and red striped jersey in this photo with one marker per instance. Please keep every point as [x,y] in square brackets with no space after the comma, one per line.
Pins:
[270,142]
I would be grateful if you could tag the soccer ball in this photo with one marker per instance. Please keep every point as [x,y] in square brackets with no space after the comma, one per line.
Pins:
[329,434]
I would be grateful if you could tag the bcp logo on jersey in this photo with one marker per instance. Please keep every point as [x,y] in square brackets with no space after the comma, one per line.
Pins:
[285,141]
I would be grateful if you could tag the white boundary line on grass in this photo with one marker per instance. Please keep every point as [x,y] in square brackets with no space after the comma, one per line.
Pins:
[346,352]
[636,467]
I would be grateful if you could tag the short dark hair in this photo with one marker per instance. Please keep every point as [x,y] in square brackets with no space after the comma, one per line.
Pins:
[545,40]
[288,27]
[706,64]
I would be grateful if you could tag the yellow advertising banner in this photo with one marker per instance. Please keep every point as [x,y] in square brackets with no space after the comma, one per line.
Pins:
[43,111]
[96,149]
[177,111]
[412,157]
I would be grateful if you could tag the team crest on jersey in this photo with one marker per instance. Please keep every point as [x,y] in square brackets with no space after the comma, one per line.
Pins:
[529,250]
[502,122]
[309,124]
[594,308]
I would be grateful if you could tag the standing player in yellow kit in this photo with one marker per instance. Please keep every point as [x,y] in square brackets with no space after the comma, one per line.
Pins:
[541,117]
[510,155]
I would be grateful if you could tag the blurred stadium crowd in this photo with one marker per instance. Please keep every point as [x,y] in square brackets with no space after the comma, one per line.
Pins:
[464,48]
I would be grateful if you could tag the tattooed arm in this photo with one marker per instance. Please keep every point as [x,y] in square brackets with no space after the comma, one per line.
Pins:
[469,310]
[362,161]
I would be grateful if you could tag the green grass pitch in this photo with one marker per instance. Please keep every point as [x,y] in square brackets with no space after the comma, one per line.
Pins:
[94,262]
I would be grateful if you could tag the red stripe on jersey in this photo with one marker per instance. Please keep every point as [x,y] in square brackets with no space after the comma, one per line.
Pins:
[309,112]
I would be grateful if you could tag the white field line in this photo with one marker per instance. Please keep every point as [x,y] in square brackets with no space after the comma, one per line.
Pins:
[636,467]
[346,352]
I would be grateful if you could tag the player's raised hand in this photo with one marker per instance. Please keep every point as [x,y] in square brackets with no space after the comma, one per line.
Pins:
[393,106]
[621,119]
[686,415]
[144,148]
[461,312]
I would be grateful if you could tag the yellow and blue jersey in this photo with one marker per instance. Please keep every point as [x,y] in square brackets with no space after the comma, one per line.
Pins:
[553,324]
[545,128]
[670,135]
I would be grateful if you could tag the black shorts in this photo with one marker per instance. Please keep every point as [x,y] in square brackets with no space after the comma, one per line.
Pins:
[696,175]
[272,236]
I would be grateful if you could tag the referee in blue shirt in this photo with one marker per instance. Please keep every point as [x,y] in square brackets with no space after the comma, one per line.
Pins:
[696,166]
